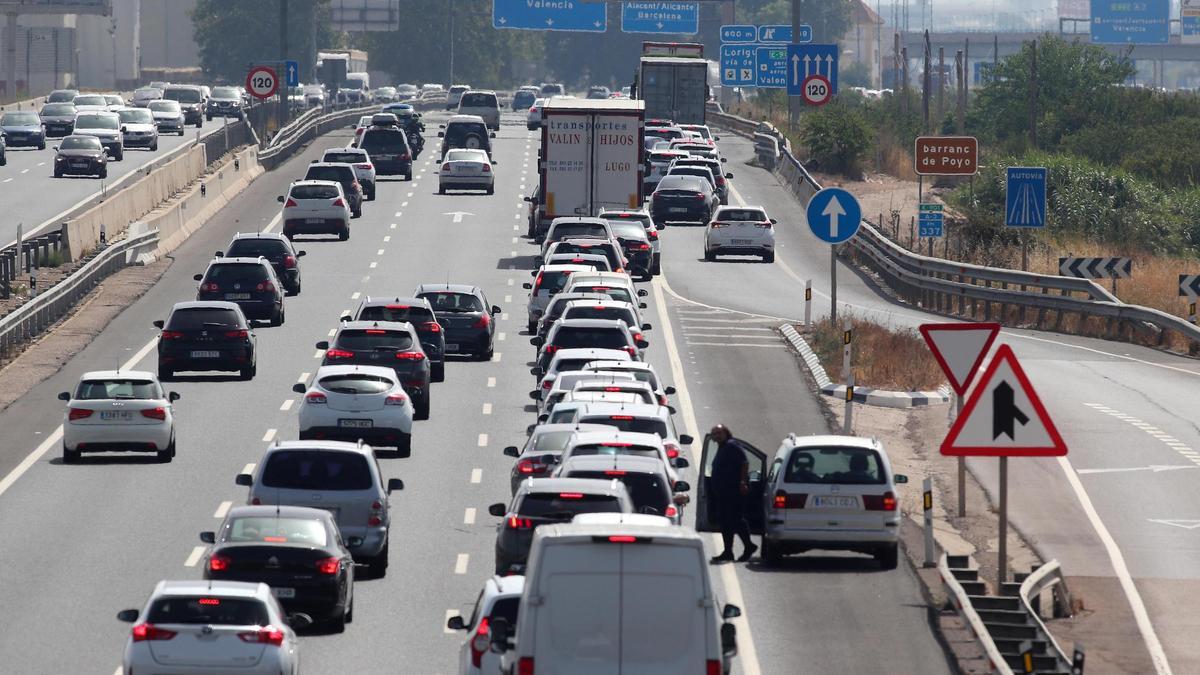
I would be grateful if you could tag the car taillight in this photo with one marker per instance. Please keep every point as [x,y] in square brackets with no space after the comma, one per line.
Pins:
[338,354]
[210,287]
[264,286]
[404,157]
[766,224]
[394,399]
[720,180]
[884,502]
[365,166]
[547,384]
[622,539]
[483,321]
[218,563]
[289,261]
[672,512]
[480,642]
[329,565]
[410,356]
[146,631]
[712,667]
[515,523]
[315,398]
[155,413]
[614,473]
[632,350]
[79,413]
[550,349]
[375,518]
[339,202]
[621,418]
[487,168]
[268,635]
[432,326]
[528,467]
[533,109]
[446,166]
[783,500]
[570,495]
[653,234]
[525,666]
[289,203]
[255,501]
[716,225]
[170,335]
[641,246]
[672,450]
[699,195]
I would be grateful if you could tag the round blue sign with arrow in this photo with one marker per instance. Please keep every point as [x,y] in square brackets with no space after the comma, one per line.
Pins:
[834,215]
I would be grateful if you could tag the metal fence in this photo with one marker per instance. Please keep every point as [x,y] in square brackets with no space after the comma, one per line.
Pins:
[33,254]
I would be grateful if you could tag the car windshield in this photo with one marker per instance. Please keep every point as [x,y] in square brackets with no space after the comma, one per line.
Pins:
[568,337]
[252,248]
[344,157]
[182,95]
[370,339]
[641,425]
[20,119]
[62,96]
[205,610]
[114,388]
[90,100]
[164,106]
[566,505]
[145,94]
[384,141]
[479,101]
[317,470]
[80,143]
[226,92]
[203,317]
[96,122]
[356,383]
[646,490]
[113,99]
[449,301]
[742,215]
[56,109]
[135,116]
[314,192]
[236,272]
[276,530]
[466,156]
[834,466]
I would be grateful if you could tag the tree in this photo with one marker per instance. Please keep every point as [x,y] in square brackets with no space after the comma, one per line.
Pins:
[232,35]
[830,19]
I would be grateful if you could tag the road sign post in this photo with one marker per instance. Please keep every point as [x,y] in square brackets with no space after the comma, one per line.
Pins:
[808,304]
[1025,196]
[806,60]
[927,507]
[848,374]
[834,216]
[585,17]
[930,220]
[671,17]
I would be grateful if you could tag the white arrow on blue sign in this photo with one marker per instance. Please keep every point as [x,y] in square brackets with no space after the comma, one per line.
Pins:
[291,72]
[834,215]
[586,17]
[672,17]
[806,60]
[1025,198]
[738,33]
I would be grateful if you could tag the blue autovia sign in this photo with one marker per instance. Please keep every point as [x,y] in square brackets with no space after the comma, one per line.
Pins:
[660,17]
[563,15]
[781,33]
[1025,202]
[1131,21]
[738,33]
[737,65]
[771,72]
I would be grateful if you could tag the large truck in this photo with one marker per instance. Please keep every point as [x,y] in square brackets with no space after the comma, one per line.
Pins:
[673,81]
[590,159]
[344,73]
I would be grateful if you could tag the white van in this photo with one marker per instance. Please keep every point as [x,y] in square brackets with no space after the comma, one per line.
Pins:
[617,593]
[481,103]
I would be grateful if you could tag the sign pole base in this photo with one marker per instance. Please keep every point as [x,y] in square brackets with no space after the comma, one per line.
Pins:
[1002,561]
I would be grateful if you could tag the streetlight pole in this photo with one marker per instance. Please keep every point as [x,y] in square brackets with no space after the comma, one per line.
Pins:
[451,82]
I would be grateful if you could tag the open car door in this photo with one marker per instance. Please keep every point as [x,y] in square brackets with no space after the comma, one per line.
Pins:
[756,461]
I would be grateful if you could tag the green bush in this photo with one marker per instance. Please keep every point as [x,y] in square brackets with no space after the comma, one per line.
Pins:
[837,137]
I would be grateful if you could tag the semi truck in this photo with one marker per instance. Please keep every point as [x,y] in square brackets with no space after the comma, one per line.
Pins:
[590,159]
[673,81]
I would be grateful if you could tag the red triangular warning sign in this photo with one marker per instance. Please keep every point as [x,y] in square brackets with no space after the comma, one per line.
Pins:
[1004,416]
[959,348]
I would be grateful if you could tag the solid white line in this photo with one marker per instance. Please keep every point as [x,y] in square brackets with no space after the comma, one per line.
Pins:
[483,439]
[319,353]
[269,436]
[460,563]
[737,344]
[303,378]
[393,226]
[120,669]
[476,475]
[726,335]
[469,516]
[748,655]
[24,170]
[449,613]
[398,214]
[332,332]
[194,557]
[1157,656]
[487,408]
[287,405]
[249,468]
[491,382]
[222,509]
[402,204]
[274,222]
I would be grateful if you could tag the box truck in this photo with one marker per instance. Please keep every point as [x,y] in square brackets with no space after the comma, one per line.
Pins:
[673,82]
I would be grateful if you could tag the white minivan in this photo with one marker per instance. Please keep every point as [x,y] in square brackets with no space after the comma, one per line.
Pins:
[483,104]
[617,593]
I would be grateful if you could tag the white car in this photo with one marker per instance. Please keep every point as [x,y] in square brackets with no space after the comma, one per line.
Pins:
[640,216]
[90,103]
[638,369]
[499,598]
[118,411]
[316,207]
[651,488]
[364,123]
[348,403]
[565,384]
[138,129]
[534,119]
[455,94]
[740,230]
[565,360]
[702,130]
[466,169]
[549,281]
[168,115]
[190,627]
[639,418]
[482,103]
[364,169]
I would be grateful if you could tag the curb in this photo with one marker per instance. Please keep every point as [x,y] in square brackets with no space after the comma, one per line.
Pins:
[809,356]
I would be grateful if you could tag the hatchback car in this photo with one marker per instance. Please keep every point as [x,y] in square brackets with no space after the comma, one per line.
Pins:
[466,131]
[205,336]
[224,102]
[384,343]
[276,248]
[571,227]
[683,199]
[415,311]
[499,599]
[539,456]
[550,280]
[358,158]
[342,478]
[296,550]
[721,176]
[523,99]
[315,207]
[481,103]
[639,370]
[586,334]
[141,97]
[90,103]
[106,127]
[168,116]
[651,490]
[467,319]
[638,418]
[23,128]
[467,170]
[58,119]
[591,245]
[607,309]
[558,304]
[615,218]
[191,102]
[564,385]
[349,403]
[737,230]
[138,129]
[201,626]
[533,120]
[62,96]
[635,246]
[342,174]
[251,283]
[118,411]
[389,150]
[80,156]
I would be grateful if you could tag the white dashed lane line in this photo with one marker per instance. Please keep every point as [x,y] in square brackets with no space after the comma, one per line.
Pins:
[461,562]
[483,440]
[269,436]
[476,476]
[194,557]
[469,516]
[287,405]
[487,408]
[222,509]
[303,378]
[491,382]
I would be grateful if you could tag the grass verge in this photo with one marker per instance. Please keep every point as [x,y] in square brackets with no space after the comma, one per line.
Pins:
[883,357]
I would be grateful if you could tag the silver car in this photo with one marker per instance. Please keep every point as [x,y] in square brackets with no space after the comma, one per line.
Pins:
[467,170]
[138,129]
[534,120]
[105,126]
[168,116]
[641,216]
[364,169]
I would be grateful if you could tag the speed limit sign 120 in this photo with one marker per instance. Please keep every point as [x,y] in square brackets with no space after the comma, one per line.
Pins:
[816,90]
[262,82]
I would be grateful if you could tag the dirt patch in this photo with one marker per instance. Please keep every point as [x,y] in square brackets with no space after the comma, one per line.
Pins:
[883,358]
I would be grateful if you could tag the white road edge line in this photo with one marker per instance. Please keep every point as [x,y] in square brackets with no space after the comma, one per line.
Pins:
[194,557]
[461,562]
[469,516]
[222,509]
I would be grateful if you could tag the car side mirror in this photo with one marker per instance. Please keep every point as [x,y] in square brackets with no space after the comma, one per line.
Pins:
[128,615]
[716,138]
[533,273]
[774,222]
[672,409]
[197,277]
[54,148]
[724,159]
[533,395]
[497,509]
[124,130]
[527,286]
[323,344]
[681,463]
[685,439]
[527,198]
[681,486]
[299,621]
[731,612]
[298,388]
[536,341]
[670,391]
[301,254]
[641,305]
[173,396]
[642,293]
[729,176]
[157,324]
[492,135]
[244,479]
[208,537]
[512,451]
[394,484]
[542,419]
[642,344]
[495,309]
[899,479]
[66,396]
[728,639]
[344,318]
[536,371]
[647,326]
[494,161]
[218,254]
[354,542]
[441,134]
[456,623]
[499,643]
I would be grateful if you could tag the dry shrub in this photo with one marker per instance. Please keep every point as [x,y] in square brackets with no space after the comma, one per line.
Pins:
[895,159]
[883,357]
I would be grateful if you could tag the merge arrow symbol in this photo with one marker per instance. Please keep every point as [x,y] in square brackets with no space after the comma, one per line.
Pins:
[1005,412]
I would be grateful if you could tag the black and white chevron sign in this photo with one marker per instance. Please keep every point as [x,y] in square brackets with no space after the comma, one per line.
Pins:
[1096,268]
[1189,285]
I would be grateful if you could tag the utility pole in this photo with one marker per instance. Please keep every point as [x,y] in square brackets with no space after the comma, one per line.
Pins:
[925,84]
[451,82]
[1033,94]
[941,81]
[283,55]
[960,103]
[794,101]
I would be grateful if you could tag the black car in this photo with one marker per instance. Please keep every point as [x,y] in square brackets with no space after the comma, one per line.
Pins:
[682,199]
[23,128]
[635,244]
[340,173]
[3,151]
[80,156]
[296,550]
[59,118]
[384,343]
[417,312]
[206,336]
[276,248]
[224,102]
[249,282]
[389,150]
[523,100]
[191,102]
[465,315]
[466,131]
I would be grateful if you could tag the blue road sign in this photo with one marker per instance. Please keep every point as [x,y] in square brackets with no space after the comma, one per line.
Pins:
[291,72]
[805,60]
[737,65]
[834,215]
[771,66]
[1124,22]
[930,220]
[738,33]
[780,33]
[588,17]
[660,17]
[1025,202]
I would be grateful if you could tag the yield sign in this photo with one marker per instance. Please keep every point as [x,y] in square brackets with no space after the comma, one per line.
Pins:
[1004,416]
[959,348]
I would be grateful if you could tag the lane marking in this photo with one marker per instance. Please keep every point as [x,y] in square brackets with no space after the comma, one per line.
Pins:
[303,378]
[332,332]
[355,295]
[393,226]
[501,336]
[222,509]
[491,382]
[496,357]
[287,405]
[487,408]
[379,252]
[476,475]
[461,562]
[387,238]
[508,298]
[373,265]
[737,344]
[483,439]
[510,281]
[319,353]
[398,214]
[194,557]
[449,613]
[249,468]
[469,516]
[269,436]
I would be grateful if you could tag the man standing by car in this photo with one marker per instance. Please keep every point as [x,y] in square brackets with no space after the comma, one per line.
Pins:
[728,487]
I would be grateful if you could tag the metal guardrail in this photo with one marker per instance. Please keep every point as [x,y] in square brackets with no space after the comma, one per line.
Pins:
[32,256]
[950,287]
[958,597]
[1048,576]
[35,316]
[308,126]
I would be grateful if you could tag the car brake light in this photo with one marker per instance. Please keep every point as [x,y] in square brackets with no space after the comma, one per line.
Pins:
[446,166]
[614,473]
[533,109]
[712,667]
[632,351]
[264,286]
[170,335]
[376,331]
[338,354]
[268,635]
[515,523]
[699,195]
[315,397]
[290,203]
[237,334]
[155,413]
[537,283]
[716,224]
[766,225]
[328,565]
[218,563]
[570,495]
[364,165]
[672,450]
[612,389]
[394,399]
[483,321]
[487,169]
[211,602]
[146,631]
[653,234]
[404,157]
[480,642]
[550,349]
[672,512]
[783,500]
[339,202]
[621,417]
[525,666]
[289,261]
[529,467]
[622,539]
[885,502]
[432,326]
[79,413]
[210,287]
[410,356]
[616,444]
[547,384]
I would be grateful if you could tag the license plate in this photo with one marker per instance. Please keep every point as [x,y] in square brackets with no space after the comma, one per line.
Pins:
[313,221]
[355,424]
[79,165]
[386,157]
[741,242]
[205,354]
[451,347]
[237,296]
[116,415]
[677,209]
[835,502]
[283,592]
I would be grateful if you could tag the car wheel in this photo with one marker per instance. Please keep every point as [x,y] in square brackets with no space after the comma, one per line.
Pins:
[57,173]
[441,190]
[356,213]
[771,555]
[350,611]
[530,326]
[247,373]
[208,117]
[199,124]
[487,355]
[70,456]
[154,148]
[491,190]
[377,566]
[119,156]
[337,624]
[181,132]
[104,172]
[769,257]
[421,407]
[709,256]
[165,455]
[437,372]
[344,234]
[888,557]
[408,175]
[656,268]
[42,145]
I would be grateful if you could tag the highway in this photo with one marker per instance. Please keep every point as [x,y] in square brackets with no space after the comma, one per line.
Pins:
[99,534]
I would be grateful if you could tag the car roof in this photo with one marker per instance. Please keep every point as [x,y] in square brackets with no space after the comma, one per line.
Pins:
[462,119]
[615,463]
[566,426]
[205,304]
[259,235]
[328,164]
[283,511]
[334,446]
[225,589]
[609,518]
[446,288]
[591,323]
[578,219]
[511,585]
[634,410]
[111,374]
[357,151]
[747,207]
[614,435]
[238,260]
[585,485]
[590,528]
[608,302]
[346,369]
[313,181]
[584,352]
[565,268]
[623,365]
[589,376]
[793,440]
[378,300]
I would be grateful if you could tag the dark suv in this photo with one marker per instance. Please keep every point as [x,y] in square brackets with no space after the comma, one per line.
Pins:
[417,312]
[339,173]
[683,199]
[276,248]
[191,102]
[206,336]
[465,315]
[249,282]
[466,131]
[384,343]
[388,149]
[224,102]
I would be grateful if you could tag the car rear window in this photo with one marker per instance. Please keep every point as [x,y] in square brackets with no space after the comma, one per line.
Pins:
[182,95]
[61,96]
[252,248]
[614,448]
[276,530]
[479,100]
[448,301]
[203,317]
[567,365]
[341,174]
[834,466]
[568,337]
[566,505]
[550,441]
[553,280]
[136,116]
[356,384]
[90,100]
[646,490]
[384,141]
[317,470]
[506,608]
[97,122]
[601,312]
[633,229]
[681,182]
[665,133]
[466,156]
[236,272]
[59,109]
[314,192]
[344,157]
[459,131]
[370,339]
[641,425]
[568,230]
[398,313]
[614,292]
[123,388]
[208,610]
[164,106]
[749,215]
